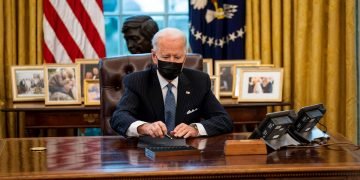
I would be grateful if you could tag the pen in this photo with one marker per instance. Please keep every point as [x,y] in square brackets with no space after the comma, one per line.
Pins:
[168,136]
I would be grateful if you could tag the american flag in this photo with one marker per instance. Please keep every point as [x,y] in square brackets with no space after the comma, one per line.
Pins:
[73,29]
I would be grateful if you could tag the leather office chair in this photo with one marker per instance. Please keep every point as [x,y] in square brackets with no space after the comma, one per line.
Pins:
[112,72]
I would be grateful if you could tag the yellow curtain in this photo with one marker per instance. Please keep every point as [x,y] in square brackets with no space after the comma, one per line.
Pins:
[20,44]
[314,41]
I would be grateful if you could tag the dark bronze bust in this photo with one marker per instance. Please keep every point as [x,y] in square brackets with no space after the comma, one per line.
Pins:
[138,33]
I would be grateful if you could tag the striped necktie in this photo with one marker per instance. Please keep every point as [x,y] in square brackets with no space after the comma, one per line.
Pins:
[170,109]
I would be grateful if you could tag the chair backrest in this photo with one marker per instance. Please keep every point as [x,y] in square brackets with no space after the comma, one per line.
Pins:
[112,72]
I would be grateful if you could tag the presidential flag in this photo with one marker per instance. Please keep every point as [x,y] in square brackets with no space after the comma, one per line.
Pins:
[73,29]
[217,28]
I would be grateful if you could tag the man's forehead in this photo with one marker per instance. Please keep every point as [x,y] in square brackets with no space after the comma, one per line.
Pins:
[171,39]
[172,44]
[165,51]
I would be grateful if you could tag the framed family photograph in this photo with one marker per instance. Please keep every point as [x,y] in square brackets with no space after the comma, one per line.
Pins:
[208,66]
[62,84]
[27,83]
[236,73]
[261,85]
[91,92]
[89,69]
[224,70]
[215,86]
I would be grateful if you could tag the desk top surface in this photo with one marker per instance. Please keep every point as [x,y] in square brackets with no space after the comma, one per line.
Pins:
[116,156]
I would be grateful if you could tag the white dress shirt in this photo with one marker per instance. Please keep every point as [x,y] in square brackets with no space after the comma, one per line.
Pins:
[132,130]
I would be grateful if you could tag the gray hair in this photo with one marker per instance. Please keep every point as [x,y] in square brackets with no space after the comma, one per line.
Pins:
[172,32]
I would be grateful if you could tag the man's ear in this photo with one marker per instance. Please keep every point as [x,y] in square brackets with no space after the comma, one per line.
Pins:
[153,57]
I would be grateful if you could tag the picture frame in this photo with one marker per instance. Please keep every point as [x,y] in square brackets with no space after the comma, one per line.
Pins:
[62,84]
[208,66]
[236,74]
[88,67]
[215,86]
[27,83]
[261,85]
[224,70]
[91,92]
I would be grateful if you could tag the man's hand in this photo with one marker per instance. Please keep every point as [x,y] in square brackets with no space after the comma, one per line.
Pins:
[185,131]
[155,129]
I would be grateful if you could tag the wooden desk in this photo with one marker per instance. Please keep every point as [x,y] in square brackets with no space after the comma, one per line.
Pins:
[117,157]
[38,115]
[245,115]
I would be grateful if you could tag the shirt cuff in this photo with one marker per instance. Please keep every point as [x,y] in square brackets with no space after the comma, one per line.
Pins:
[201,129]
[132,130]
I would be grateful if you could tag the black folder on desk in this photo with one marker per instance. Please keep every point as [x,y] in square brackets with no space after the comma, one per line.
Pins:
[155,147]
[148,141]
[161,151]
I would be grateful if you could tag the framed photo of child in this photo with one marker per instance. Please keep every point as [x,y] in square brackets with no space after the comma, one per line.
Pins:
[89,69]
[91,92]
[261,85]
[62,84]
[27,83]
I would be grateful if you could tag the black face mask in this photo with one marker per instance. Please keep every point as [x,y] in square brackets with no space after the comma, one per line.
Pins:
[169,70]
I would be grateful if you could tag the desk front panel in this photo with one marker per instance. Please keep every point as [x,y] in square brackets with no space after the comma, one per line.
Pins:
[37,115]
[117,157]
[56,119]
[244,118]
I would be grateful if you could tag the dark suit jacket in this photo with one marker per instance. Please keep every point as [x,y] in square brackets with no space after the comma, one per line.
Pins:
[143,100]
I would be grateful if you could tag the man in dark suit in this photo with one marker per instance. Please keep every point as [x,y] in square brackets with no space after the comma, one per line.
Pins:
[168,98]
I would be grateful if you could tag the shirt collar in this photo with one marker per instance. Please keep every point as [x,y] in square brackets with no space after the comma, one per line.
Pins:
[164,82]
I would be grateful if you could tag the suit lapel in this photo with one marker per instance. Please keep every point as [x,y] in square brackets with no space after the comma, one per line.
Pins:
[156,97]
[183,93]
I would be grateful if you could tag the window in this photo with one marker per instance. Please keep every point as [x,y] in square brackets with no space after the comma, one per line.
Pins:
[167,13]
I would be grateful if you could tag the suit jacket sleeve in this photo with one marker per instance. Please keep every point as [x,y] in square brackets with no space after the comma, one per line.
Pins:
[216,119]
[124,114]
